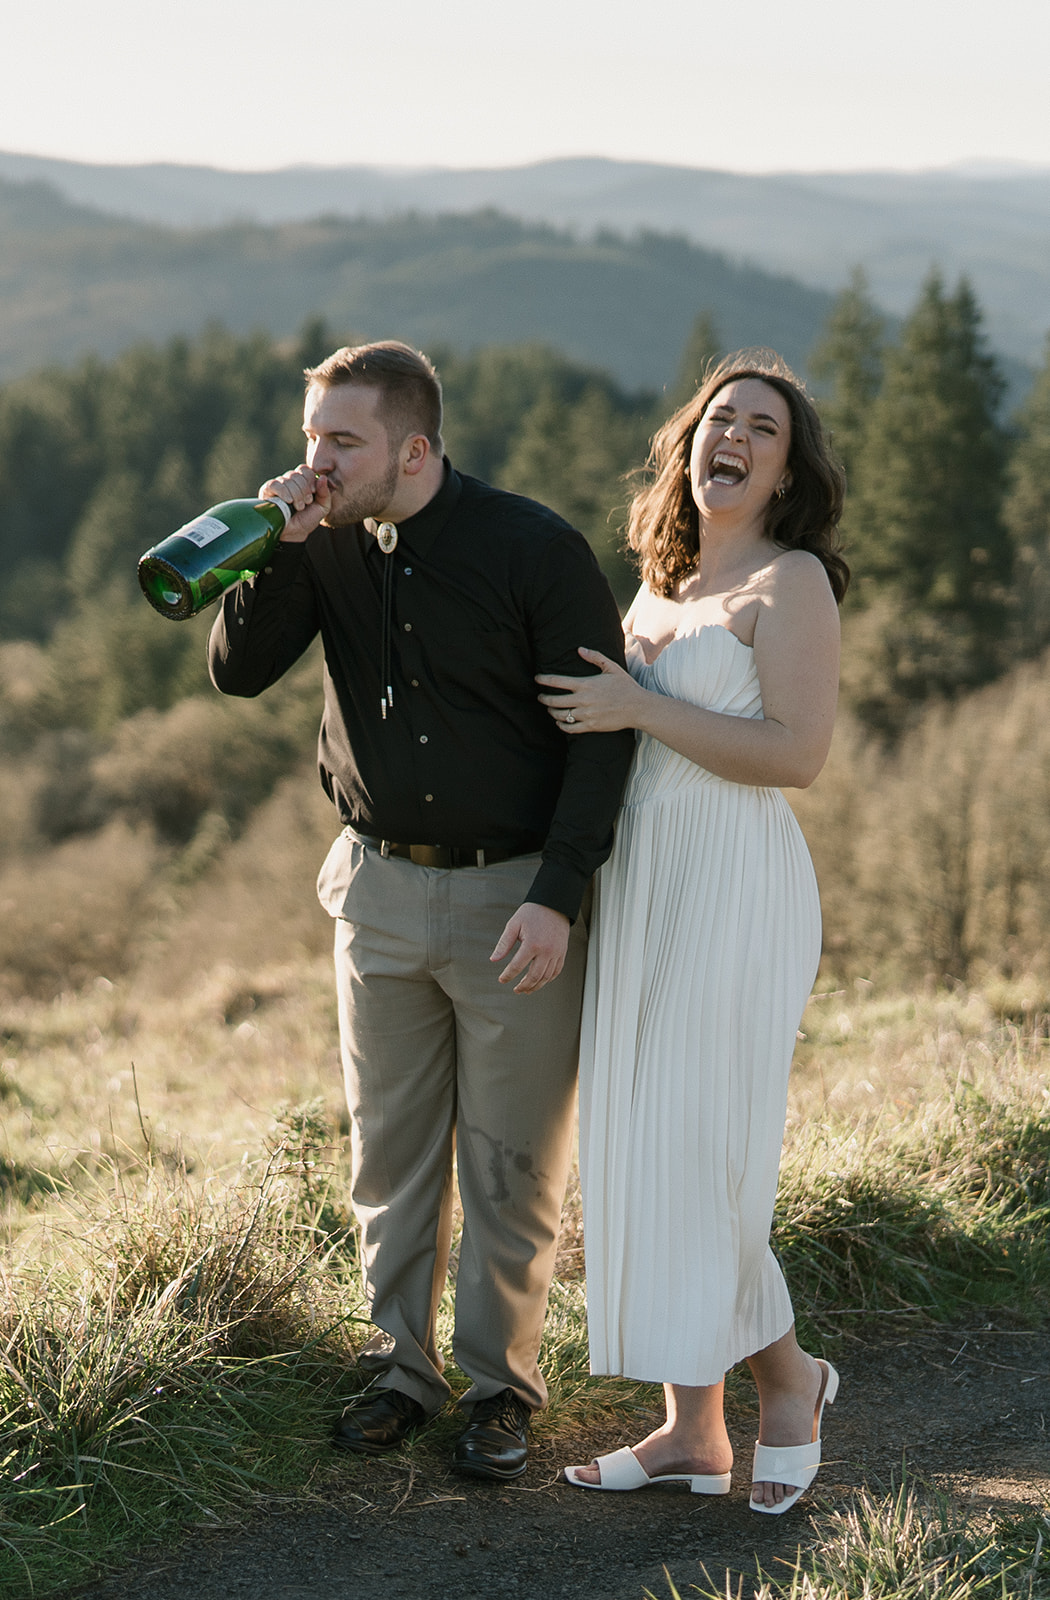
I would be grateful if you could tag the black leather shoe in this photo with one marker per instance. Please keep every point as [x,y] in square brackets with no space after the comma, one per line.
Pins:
[378,1420]
[493,1443]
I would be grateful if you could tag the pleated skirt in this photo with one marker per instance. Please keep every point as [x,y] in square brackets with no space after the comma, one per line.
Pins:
[704,947]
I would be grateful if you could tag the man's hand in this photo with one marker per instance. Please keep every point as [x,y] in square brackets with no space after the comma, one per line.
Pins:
[542,937]
[309,496]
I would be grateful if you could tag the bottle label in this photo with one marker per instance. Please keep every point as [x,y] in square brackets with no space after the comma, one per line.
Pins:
[203,530]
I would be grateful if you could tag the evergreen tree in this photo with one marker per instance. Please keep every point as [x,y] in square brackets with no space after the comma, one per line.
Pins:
[702,347]
[110,529]
[1026,513]
[48,462]
[573,457]
[235,466]
[487,395]
[174,496]
[931,555]
[848,361]
[316,341]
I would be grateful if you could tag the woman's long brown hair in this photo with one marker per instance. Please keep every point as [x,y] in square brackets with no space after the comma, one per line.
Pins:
[664,524]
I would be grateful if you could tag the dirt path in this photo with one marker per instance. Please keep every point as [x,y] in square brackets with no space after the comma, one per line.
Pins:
[969,1411]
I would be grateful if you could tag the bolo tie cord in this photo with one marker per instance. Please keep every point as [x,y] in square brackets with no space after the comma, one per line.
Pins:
[386,537]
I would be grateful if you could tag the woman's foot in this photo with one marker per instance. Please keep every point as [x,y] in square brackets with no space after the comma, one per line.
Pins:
[666,1453]
[789,1435]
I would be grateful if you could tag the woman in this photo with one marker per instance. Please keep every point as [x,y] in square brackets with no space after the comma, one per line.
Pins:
[707,931]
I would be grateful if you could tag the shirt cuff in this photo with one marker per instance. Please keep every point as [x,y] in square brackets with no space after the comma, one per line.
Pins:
[559,888]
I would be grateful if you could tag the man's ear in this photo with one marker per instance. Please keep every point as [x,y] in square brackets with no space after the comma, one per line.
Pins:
[414,453]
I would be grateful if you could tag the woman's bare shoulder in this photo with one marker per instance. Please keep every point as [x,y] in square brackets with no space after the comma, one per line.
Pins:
[795,572]
[795,600]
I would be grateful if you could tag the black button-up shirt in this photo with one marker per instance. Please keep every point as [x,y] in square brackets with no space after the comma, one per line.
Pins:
[488,590]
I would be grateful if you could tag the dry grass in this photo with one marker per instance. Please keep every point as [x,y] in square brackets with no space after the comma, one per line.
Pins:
[174,1176]
[910,1544]
[83,1076]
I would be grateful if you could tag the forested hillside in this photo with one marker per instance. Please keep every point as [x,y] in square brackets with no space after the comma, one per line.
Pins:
[73,281]
[990,222]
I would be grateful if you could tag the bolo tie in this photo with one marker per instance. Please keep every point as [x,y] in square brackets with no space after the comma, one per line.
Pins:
[386,538]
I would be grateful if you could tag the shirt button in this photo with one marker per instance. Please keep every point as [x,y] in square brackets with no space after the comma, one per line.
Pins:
[408,627]
[415,683]
[240,622]
[428,797]
[408,572]
[267,569]
[423,739]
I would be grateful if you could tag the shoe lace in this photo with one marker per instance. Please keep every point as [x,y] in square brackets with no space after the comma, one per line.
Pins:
[506,1408]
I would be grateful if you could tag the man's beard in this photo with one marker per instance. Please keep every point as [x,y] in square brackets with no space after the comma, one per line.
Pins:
[365,499]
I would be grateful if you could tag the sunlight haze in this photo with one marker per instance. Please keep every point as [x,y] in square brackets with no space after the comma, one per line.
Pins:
[815,85]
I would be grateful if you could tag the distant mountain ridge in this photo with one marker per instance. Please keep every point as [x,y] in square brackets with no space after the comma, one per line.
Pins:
[74,280]
[989,220]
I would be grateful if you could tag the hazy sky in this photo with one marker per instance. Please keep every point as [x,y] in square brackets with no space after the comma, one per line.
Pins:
[752,86]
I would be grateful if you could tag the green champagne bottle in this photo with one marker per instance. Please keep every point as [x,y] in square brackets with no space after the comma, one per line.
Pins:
[197,563]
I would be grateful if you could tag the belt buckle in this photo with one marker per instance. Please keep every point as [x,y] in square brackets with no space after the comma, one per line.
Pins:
[430,855]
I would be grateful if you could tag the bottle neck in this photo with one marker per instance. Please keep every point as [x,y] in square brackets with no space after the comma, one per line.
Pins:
[282,505]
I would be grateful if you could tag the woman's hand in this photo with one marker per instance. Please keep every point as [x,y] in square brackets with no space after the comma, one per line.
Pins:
[603,703]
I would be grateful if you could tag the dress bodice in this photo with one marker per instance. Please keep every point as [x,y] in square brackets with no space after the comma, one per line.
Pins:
[708,666]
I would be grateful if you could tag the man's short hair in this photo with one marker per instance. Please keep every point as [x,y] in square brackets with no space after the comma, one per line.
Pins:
[409,387]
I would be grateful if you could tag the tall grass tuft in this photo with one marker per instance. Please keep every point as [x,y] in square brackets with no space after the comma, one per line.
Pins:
[165,1362]
[910,1544]
[936,1215]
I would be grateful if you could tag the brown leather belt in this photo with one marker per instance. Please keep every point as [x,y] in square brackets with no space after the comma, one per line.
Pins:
[441,855]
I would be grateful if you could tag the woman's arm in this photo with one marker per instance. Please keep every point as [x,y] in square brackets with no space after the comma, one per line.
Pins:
[796,655]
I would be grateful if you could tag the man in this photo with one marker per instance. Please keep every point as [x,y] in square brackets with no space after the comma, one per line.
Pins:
[472,827]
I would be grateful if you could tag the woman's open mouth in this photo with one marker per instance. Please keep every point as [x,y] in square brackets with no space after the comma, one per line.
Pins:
[724,467]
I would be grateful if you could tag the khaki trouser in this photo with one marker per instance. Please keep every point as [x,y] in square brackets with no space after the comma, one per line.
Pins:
[439,1057]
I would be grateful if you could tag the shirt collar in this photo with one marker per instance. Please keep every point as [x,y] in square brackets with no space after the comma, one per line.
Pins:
[423,528]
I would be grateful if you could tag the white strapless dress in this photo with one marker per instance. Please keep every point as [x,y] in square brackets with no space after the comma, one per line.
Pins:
[703,950]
